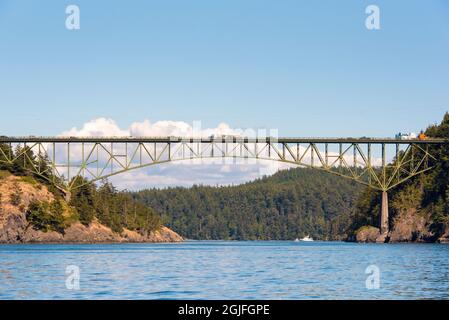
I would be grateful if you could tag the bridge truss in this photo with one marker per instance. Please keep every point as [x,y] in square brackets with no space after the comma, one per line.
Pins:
[69,163]
[378,163]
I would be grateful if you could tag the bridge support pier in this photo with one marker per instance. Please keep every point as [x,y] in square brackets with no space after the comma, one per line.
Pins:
[67,196]
[384,214]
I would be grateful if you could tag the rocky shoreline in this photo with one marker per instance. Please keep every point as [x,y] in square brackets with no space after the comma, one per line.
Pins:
[16,230]
[409,226]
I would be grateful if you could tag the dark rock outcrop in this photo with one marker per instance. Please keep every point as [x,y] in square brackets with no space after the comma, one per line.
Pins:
[408,226]
[367,234]
[444,238]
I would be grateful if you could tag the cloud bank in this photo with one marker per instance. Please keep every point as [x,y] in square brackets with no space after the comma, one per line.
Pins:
[103,127]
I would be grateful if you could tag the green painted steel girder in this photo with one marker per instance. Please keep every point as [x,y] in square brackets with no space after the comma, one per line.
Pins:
[96,158]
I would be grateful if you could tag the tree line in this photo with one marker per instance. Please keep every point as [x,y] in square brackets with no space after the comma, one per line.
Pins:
[288,205]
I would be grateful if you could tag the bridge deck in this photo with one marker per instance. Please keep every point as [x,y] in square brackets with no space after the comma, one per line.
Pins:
[32,139]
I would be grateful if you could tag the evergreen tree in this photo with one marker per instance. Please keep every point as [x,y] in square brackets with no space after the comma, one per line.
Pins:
[6,153]
[84,202]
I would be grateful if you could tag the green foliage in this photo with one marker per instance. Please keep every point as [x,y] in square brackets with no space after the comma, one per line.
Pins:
[4,174]
[5,152]
[287,205]
[83,201]
[117,210]
[29,180]
[46,217]
[23,162]
[409,197]
[114,209]
[368,202]
[16,196]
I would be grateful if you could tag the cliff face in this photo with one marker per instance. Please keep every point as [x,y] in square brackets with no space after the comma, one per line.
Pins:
[14,227]
[93,233]
[410,225]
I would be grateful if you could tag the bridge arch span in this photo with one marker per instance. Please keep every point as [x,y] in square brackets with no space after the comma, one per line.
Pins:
[95,159]
[68,160]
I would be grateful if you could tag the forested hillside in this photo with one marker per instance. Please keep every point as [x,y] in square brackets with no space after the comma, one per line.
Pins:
[288,205]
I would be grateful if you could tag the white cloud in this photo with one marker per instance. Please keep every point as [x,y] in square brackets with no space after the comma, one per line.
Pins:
[103,127]
[100,127]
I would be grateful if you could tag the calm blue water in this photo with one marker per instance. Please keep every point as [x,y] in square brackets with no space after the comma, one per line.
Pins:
[225,270]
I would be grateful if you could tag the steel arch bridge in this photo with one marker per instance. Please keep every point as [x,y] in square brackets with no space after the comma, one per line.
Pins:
[380,164]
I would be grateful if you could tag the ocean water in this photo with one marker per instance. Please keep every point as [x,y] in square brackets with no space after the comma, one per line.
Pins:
[225,270]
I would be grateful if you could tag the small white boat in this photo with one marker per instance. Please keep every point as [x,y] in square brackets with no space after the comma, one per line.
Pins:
[297,240]
[307,239]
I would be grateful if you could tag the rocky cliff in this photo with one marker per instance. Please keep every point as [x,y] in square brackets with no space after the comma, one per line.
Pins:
[410,225]
[15,228]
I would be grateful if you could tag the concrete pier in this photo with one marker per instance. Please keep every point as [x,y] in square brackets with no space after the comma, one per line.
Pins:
[384,214]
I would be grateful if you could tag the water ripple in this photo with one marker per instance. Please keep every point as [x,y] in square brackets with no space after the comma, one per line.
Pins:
[225,270]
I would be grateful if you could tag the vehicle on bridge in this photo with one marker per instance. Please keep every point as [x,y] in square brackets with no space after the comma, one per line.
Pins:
[411,136]
[406,136]
[422,136]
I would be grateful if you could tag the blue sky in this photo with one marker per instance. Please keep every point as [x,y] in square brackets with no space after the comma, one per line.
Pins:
[307,68]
